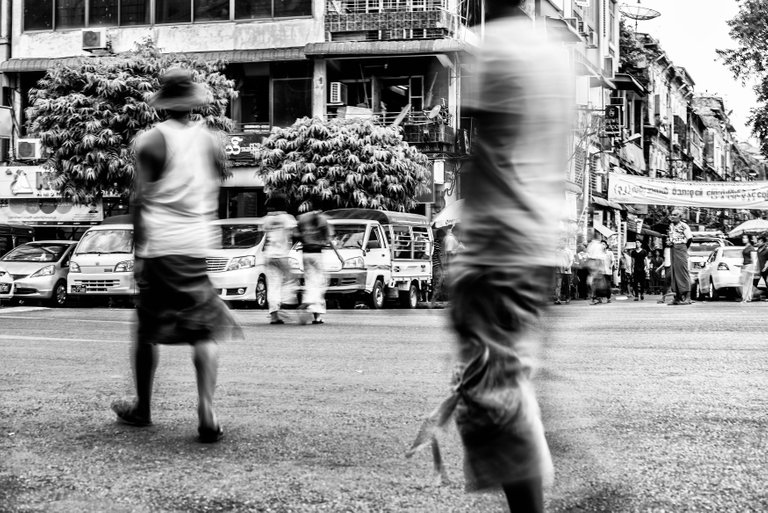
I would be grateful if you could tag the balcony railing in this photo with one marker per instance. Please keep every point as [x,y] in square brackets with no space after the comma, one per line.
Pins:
[389,20]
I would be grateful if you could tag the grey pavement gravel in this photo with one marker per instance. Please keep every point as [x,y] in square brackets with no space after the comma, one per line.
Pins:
[648,408]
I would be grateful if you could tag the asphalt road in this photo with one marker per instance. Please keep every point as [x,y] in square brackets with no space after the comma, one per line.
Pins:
[647,408]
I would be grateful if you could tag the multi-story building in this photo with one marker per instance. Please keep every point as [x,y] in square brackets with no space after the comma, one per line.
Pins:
[376,59]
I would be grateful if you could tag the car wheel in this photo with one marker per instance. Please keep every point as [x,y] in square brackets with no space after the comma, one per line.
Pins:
[261,293]
[411,298]
[712,291]
[59,295]
[377,296]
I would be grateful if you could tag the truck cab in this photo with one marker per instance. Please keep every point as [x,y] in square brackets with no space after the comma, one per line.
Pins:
[386,256]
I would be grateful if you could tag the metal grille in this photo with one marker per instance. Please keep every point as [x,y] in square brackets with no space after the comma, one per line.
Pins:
[216,264]
[98,285]
[18,276]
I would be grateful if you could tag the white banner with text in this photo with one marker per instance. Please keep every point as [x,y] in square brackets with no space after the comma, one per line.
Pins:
[659,191]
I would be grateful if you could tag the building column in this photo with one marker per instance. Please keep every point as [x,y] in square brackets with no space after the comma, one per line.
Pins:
[319,89]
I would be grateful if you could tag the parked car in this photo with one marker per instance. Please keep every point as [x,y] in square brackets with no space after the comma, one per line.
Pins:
[722,271]
[39,270]
[237,270]
[701,248]
[6,285]
[387,255]
[102,262]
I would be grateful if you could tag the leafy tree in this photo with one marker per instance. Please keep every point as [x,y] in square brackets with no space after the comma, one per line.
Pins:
[319,164]
[88,114]
[749,60]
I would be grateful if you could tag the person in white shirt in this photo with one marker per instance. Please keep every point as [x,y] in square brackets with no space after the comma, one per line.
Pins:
[279,227]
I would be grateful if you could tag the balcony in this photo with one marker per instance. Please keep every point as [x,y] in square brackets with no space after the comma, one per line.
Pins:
[389,20]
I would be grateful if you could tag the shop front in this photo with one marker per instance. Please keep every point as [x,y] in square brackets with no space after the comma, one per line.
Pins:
[28,198]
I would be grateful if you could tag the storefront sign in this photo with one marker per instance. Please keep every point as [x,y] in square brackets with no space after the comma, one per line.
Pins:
[49,211]
[657,191]
[27,182]
[242,147]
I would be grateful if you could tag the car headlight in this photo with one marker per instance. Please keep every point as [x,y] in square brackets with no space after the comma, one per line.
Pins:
[294,264]
[48,270]
[242,262]
[354,263]
[74,267]
[125,266]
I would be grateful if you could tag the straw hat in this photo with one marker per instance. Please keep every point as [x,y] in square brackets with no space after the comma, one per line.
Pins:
[178,92]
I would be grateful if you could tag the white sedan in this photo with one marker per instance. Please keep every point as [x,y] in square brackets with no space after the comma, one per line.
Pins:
[722,271]
[6,284]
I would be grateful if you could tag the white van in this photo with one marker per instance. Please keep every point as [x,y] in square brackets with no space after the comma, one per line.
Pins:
[237,270]
[387,255]
[102,262]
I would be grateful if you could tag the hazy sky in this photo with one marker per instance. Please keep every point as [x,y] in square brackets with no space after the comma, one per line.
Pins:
[689,32]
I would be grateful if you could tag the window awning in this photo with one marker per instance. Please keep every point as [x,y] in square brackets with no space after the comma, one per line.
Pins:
[413,47]
[626,82]
[605,203]
[238,56]
[604,230]
[564,31]
[633,155]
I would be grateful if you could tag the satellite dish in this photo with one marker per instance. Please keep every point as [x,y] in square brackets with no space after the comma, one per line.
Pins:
[434,112]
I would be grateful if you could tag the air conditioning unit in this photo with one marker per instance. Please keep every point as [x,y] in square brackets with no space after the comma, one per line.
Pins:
[94,39]
[676,139]
[338,93]
[29,149]
[592,39]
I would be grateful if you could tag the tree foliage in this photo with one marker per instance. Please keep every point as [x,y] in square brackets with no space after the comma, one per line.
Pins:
[319,164]
[88,114]
[749,60]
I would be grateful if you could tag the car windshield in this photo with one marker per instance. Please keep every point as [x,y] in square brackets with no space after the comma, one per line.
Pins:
[106,241]
[237,236]
[348,235]
[733,252]
[36,253]
[705,247]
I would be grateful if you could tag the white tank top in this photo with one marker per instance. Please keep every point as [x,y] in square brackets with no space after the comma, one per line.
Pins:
[177,209]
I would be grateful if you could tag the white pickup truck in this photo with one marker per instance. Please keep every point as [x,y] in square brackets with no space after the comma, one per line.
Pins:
[387,255]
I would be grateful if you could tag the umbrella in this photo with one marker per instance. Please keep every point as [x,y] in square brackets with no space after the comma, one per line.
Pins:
[752,226]
[451,214]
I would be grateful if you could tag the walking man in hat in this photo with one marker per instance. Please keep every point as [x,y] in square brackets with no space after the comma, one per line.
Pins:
[180,166]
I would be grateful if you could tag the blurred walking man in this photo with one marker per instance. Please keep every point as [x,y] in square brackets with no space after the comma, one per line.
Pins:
[315,233]
[679,240]
[502,279]
[281,285]
[180,166]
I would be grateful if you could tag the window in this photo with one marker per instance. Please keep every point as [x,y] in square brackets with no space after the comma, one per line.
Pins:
[173,11]
[70,14]
[292,99]
[250,9]
[134,12]
[102,13]
[374,239]
[38,14]
[210,10]
[241,236]
[286,8]
[254,101]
